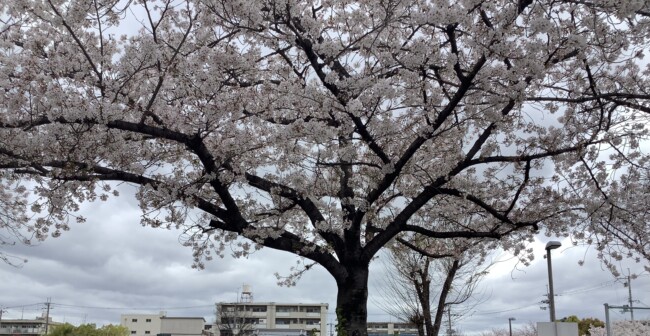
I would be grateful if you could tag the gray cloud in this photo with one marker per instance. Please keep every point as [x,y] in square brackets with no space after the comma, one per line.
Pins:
[112,265]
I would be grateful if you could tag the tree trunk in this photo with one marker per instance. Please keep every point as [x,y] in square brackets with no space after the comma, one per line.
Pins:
[420,329]
[426,307]
[417,321]
[425,298]
[446,287]
[351,302]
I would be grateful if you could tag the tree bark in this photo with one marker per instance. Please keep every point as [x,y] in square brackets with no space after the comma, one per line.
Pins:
[425,297]
[351,302]
[419,324]
[446,287]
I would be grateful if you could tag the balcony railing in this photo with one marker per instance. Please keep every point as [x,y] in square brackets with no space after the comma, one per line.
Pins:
[13,330]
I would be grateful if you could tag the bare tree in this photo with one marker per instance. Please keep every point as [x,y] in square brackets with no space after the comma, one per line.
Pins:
[234,320]
[422,285]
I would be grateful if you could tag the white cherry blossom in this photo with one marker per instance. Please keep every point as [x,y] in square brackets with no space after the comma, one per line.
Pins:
[328,128]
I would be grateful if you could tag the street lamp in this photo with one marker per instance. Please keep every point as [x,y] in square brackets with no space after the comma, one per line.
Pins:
[552,245]
[510,319]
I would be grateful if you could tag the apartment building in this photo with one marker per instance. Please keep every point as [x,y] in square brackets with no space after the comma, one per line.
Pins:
[162,325]
[271,318]
[391,328]
[26,327]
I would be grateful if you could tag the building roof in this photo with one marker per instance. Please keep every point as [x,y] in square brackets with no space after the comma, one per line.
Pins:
[181,318]
[38,320]
[274,303]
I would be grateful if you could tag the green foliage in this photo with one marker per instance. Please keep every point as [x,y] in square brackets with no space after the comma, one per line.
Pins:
[571,318]
[584,324]
[340,325]
[62,330]
[68,329]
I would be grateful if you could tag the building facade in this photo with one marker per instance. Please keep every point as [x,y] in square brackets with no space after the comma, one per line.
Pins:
[391,328]
[162,325]
[182,326]
[271,318]
[26,327]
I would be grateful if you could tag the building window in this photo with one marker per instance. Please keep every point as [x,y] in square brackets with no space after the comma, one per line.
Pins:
[147,332]
[134,320]
[148,320]
[132,332]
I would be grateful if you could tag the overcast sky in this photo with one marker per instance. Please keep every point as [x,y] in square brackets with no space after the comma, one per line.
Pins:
[111,265]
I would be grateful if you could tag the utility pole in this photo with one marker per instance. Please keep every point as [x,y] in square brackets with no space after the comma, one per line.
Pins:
[607,324]
[47,316]
[1,310]
[629,289]
[546,302]
[449,319]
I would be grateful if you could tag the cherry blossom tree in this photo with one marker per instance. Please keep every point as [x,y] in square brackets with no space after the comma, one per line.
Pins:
[529,329]
[619,218]
[13,222]
[623,328]
[322,127]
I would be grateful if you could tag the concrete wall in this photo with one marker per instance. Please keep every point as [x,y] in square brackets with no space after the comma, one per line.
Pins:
[141,324]
[557,329]
[179,326]
[152,325]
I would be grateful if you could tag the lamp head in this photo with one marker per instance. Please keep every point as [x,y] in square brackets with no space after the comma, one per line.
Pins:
[511,318]
[553,245]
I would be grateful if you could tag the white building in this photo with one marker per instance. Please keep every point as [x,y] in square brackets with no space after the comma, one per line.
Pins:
[271,318]
[26,327]
[391,328]
[162,325]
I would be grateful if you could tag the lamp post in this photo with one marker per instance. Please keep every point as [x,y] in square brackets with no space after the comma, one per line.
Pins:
[510,319]
[551,296]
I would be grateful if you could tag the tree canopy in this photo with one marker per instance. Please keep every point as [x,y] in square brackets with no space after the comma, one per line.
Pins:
[68,329]
[327,128]
[585,324]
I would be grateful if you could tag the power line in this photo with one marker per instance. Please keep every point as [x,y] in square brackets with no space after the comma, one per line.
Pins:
[23,306]
[589,289]
[130,308]
[505,310]
[572,292]
[63,305]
